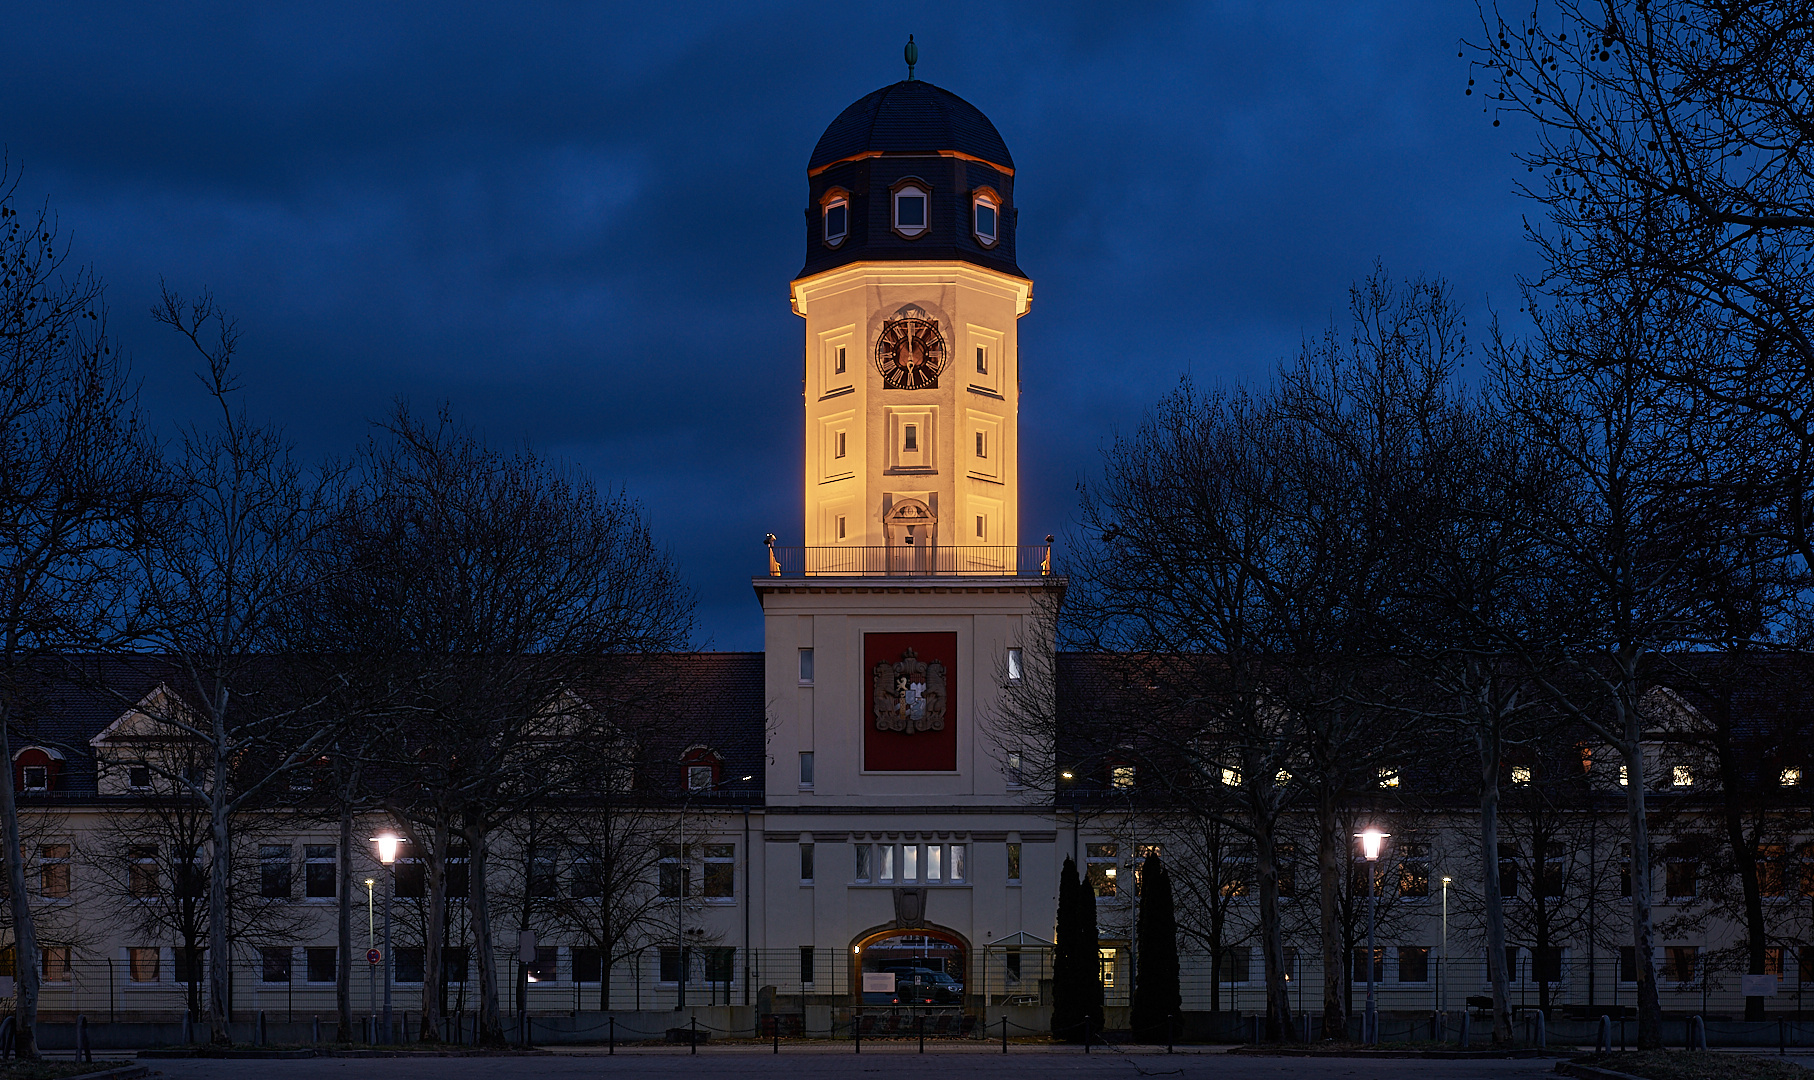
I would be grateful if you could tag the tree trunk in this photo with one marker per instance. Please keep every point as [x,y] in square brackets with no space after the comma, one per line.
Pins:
[1335,1018]
[435,933]
[1744,858]
[1488,744]
[25,937]
[1643,938]
[343,970]
[491,1024]
[1272,938]
[220,949]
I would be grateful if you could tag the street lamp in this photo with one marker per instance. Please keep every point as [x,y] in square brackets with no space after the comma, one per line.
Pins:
[371,942]
[387,854]
[1371,839]
[1442,959]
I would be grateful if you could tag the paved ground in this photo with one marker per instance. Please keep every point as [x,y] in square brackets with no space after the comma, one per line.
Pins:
[886,1063]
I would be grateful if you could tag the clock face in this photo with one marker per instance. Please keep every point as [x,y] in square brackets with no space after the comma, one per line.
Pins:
[910,353]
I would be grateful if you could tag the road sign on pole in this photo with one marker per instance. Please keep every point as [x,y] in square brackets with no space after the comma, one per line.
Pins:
[373,956]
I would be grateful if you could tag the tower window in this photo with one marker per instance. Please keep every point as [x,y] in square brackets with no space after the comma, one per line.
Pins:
[910,207]
[842,360]
[910,439]
[981,446]
[986,215]
[982,360]
[837,222]
[838,452]
[980,534]
[841,520]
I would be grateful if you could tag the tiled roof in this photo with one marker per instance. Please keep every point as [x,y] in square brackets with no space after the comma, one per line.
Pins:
[911,117]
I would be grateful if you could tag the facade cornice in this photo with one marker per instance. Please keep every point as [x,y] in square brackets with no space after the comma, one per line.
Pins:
[911,272]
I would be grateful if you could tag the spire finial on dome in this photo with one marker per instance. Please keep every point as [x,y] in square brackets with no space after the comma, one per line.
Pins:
[912,53]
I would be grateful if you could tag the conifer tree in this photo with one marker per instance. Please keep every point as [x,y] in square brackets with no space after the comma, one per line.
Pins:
[1076,980]
[1157,1000]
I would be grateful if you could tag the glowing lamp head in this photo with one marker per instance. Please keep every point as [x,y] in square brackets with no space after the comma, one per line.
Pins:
[387,847]
[1371,841]
[1446,879]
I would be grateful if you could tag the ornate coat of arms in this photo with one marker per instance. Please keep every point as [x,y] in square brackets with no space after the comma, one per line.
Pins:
[910,695]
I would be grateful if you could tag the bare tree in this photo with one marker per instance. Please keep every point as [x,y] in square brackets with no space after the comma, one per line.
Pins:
[217,577]
[75,471]
[498,590]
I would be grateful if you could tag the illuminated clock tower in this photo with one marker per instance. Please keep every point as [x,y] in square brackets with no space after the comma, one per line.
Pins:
[911,295]
[896,631]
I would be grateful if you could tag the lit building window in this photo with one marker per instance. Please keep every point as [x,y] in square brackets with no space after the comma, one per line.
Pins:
[1388,778]
[1682,776]
[1105,962]
[1521,774]
[1790,777]
[911,203]
[1231,777]
[1014,666]
[1624,776]
[1122,776]
[837,222]
[1283,778]
[1101,862]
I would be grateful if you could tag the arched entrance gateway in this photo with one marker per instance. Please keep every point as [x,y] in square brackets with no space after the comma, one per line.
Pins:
[904,973]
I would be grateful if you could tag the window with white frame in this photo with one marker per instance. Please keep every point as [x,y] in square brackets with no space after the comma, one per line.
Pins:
[912,209]
[863,862]
[1016,667]
[985,220]
[835,213]
[720,871]
[806,659]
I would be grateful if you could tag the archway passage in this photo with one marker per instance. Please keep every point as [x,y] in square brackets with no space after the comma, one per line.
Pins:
[927,966]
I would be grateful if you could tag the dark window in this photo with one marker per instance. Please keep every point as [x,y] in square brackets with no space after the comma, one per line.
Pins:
[1679,876]
[673,958]
[835,222]
[139,776]
[544,880]
[982,360]
[1012,961]
[842,361]
[587,877]
[409,965]
[275,961]
[1511,963]
[806,862]
[720,870]
[1625,874]
[911,439]
[321,964]
[274,871]
[806,963]
[319,879]
[1680,962]
[910,211]
[188,967]
[37,777]
[1804,963]
[720,963]
[412,878]
[453,965]
[191,876]
[1013,862]
[1628,964]
[588,965]
[1414,872]
[985,221]
[1551,881]
[1236,965]
[53,870]
[1508,870]
[674,880]
[1357,963]
[806,655]
[1285,866]
[142,873]
[545,968]
[1413,963]
[458,877]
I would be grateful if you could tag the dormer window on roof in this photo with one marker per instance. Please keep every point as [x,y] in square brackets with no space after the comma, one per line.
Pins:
[912,208]
[985,216]
[835,208]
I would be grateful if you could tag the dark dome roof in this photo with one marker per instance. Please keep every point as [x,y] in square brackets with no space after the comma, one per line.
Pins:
[911,117]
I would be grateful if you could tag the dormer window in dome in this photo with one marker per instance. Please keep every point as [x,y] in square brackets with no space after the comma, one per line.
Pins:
[912,208]
[835,210]
[985,216]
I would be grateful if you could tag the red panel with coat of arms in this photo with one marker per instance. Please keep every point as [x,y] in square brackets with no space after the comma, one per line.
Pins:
[910,702]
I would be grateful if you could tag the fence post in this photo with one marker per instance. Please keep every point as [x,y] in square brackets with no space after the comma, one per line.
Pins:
[774,1021]
[921,1017]
[1697,1033]
[694,1037]
[1603,1041]
[611,1046]
[1086,1031]
[856,1030]
[258,1035]
[1004,1034]
[1467,1020]
[83,1053]
[315,1033]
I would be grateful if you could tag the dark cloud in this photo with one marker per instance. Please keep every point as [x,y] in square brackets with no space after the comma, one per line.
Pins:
[576,222]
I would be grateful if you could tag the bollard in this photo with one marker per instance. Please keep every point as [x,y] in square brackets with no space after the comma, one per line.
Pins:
[1782,1040]
[1004,1034]
[315,1030]
[258,1030]
[1697,1033]
[694,1036]
[611,1045]
[776,1021]
[921,1017]
[83,1051]
[856,1030]
[1603,1041]
[1466,1022]
[1542,1034]
[1086,1032]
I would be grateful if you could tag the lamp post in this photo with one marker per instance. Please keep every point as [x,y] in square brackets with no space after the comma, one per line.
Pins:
[371,942]
[387,854]
[1371,839]
[1442,959]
